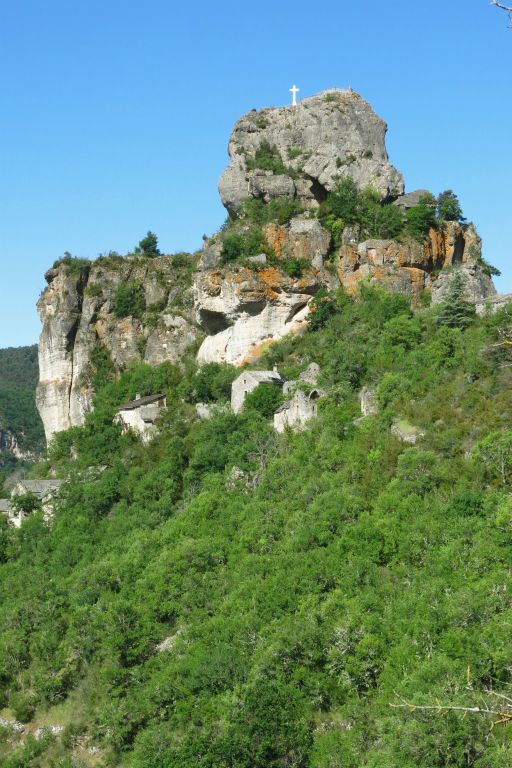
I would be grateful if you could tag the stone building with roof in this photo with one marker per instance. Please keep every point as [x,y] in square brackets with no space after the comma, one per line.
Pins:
[142,415]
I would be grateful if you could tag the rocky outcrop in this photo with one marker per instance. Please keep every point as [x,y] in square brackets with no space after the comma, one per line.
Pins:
[410,267]
[77,313]
[302,151]
[244,311]
[478,286]
[297,153]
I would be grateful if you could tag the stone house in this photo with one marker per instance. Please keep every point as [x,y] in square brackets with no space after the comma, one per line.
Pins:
[142,415]
[248,381]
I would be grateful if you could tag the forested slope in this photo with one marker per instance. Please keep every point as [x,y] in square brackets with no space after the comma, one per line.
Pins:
[172,617]
[18,379]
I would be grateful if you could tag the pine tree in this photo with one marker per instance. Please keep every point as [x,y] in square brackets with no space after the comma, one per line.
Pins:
[456,310]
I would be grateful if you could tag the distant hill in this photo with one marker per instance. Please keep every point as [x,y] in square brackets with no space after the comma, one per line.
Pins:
[18,415]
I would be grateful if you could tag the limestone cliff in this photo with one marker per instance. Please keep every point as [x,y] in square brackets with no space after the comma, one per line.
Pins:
[237,303]
[410,267]
[77,311]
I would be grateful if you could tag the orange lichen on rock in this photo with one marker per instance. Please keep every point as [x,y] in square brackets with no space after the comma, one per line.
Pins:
[275,237]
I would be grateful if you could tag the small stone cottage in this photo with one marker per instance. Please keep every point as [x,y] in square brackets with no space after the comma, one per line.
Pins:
[142,415]
[248,381]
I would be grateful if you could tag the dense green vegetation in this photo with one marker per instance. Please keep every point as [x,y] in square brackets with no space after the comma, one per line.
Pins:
[18,414]
[348,206]
[129,299]
[353,572]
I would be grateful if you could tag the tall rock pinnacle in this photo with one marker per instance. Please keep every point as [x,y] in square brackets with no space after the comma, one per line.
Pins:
[300,152]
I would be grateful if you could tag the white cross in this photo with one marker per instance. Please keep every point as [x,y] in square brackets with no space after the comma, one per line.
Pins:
[294,91]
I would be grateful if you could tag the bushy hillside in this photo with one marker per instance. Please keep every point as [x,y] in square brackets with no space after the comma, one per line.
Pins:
[175,616]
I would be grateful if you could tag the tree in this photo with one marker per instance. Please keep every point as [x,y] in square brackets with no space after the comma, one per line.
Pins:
[148,246]
[421,218]
[456,311]
[494,453]
[265,399]
[129,299]
[448,207]
[26,503]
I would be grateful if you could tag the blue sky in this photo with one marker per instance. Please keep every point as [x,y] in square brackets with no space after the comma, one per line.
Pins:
[115,116]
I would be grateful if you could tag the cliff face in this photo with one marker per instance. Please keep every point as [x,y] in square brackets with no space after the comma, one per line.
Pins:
[77,311]
[411,267]
[236,307]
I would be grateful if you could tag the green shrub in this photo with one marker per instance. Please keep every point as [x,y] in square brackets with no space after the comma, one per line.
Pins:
[23,705]
[180,260]
[129,299]
[26,503]
[279,211]
[421,218]
[267,158]
[212,383]
[93,289]
[321,307]
[494,454]
[239,245]
[74,265]
[265,399]
[348,206]
[293,267]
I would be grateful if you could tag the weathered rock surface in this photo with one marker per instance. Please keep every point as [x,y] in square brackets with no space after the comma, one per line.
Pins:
[303,238]
[410,267]
[9,443]
[329,135]
[76,311]
[478,286]
[244,311]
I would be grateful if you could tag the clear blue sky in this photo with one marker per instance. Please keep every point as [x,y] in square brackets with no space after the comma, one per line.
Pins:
[115,115]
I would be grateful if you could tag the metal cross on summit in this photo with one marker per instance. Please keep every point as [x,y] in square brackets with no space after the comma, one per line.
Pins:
[294,91]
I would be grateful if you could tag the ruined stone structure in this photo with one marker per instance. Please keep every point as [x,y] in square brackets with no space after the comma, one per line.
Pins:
[296,412]
[45,491]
